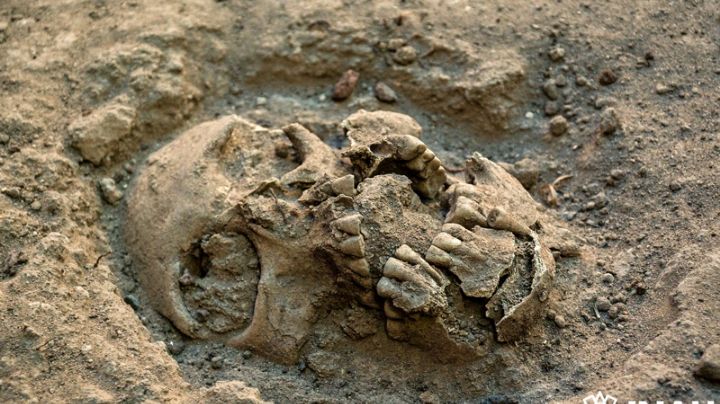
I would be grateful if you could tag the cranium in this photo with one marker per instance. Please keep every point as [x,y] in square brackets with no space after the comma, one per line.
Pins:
[245,233]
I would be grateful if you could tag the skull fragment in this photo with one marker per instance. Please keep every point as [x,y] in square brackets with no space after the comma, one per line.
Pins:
[243,233]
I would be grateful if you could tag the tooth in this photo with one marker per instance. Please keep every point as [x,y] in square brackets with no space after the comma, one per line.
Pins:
[446,242]
[430,168]
[408,147]
[344,185]
[501,220]
[439,257]
[360,267]
[397,269]
[391,311]
[354,246]
[466,213]
[418,163]
[349,224]
[388,288]
[407,254]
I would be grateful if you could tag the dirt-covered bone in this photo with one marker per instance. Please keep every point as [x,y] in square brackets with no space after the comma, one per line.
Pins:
[237,241]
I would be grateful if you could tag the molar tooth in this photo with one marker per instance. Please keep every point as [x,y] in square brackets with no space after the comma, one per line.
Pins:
[354,246]
[349,224]
[388,288]
[408,147]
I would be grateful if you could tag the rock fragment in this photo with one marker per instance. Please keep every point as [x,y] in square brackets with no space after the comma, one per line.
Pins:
[609,121]
[97,135]
[346,85]
[384,93]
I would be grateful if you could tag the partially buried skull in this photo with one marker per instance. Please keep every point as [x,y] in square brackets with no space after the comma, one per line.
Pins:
[243,233]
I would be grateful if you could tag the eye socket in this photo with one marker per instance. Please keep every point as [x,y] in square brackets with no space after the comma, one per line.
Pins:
[219,284]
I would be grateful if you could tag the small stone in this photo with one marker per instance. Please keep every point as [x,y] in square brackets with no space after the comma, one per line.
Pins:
[675,186]
[609,121]
[109,191]
[395,43]
[552,108]
[709,366]
[261,101]
[175,347]
[428,397]
[36,205]
[4,138]
[556,54]
[602,303]
[346,85]
[405,55]
[132,301]
[662,89]
[582,81]
[617,174]
[560,321]
[550,89]
[607,77]
[600,200]
[217,362]
[246,354]
[607,277]
[603,102]
[384,93]
[560,80]
[558,125]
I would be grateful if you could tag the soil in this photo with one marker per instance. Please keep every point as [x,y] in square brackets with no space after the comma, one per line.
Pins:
[90,89]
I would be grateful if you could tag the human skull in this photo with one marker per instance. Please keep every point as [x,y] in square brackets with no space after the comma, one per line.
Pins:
[245,233]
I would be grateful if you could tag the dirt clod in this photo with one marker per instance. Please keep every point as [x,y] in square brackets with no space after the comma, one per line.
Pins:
[607,77]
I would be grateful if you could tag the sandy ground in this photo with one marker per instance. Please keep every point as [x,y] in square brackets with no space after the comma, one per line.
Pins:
[88,89]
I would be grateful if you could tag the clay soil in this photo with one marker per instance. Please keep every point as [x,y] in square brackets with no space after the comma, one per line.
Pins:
[615,103]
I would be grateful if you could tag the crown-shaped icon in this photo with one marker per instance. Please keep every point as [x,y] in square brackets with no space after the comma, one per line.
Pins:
[599,398]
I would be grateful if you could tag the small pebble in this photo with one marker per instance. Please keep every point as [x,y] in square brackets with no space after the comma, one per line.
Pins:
[261,101]
[602,303]
[662,89]
[36,205]
[246,354]
[550,89]
[582,81]
[675,186]
[608,277]
[4,138]
[217,362]
[346,85]
[384,93]
[552,108]
[617,174]
[560,321]
[607,77]
[175,347]
[609,121]
[556,54]
[405,55]
[132,301]
[109,191]
[558,125]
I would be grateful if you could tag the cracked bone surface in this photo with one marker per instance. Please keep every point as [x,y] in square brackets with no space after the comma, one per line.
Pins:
[246,234]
